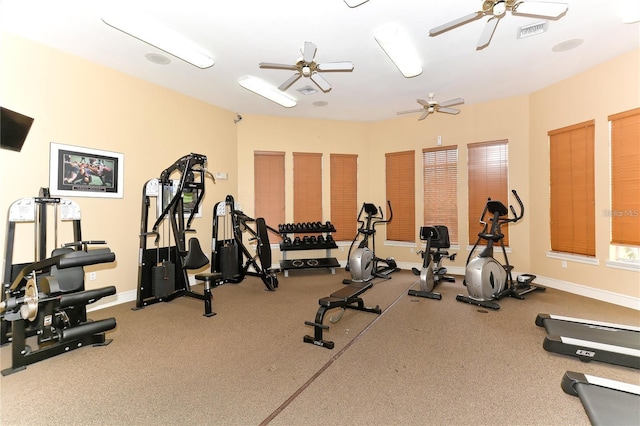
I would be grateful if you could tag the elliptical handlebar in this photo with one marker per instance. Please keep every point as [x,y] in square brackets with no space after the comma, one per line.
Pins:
[515,217]
[381,218]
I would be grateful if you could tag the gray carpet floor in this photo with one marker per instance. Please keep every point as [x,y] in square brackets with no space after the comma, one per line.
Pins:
[421,362]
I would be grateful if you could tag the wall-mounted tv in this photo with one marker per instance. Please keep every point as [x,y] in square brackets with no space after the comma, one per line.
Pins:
[14,128]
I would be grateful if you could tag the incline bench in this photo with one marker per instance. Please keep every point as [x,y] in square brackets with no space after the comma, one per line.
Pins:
[347,297]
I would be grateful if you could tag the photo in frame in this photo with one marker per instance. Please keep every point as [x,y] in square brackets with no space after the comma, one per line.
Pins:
[85,172]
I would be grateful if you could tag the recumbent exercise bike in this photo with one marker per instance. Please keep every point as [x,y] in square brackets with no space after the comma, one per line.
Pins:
[432,272]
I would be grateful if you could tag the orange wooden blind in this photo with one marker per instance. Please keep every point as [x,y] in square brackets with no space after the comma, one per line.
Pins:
[400,186]
[269,186]
[572,189]
[344,195]
[488,176]
[307,187]
[625,178]
[440,188]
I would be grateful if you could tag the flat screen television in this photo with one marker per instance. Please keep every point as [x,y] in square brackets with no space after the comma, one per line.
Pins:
[14,128]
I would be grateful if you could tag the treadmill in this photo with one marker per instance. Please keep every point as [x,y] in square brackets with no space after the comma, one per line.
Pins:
[592,340]
[606,402]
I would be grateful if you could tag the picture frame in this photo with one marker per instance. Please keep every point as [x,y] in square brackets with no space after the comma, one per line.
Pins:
[76,171]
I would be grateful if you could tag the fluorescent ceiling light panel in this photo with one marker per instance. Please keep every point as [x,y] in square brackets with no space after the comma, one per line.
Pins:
[158,35]
[397,45]
[266,90]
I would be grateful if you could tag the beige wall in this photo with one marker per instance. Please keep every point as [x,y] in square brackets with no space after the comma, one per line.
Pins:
[604,90]
[80,103]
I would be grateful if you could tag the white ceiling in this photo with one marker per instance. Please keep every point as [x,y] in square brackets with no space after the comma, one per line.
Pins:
[239,34]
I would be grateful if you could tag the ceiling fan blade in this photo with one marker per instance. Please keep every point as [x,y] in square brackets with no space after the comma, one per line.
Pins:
[449,110]
[270,65]
[452,102]
[355,3]
[540,9]
[489,29]
[423,116]
[284,86]
[423,102]
[455,23]
[309,51]
[320,81]
[411,111]
[335,66]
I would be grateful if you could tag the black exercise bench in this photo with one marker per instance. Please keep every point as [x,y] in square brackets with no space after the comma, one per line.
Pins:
[347,297]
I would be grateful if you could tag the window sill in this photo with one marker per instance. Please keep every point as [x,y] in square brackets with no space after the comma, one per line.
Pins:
[573,258]
[627,266]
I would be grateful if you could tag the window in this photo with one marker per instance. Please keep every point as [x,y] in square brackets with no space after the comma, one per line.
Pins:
[440,188]
[344,195]
[400,186]
[269,186]
[572,189]
[307,187]
[488,164]
[625,184]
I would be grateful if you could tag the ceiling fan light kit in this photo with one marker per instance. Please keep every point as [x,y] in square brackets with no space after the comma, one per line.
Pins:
[308,67]
[264,89]
[430,106]
[398,46]
[158,35]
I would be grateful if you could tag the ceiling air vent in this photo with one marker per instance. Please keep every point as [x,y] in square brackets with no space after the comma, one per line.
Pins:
[532,29]
[307,90]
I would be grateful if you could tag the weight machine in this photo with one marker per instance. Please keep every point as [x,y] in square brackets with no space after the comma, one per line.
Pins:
[163,271]
[44,300]
[230,256]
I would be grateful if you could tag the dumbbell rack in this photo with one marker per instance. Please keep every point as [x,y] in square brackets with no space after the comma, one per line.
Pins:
[307,242]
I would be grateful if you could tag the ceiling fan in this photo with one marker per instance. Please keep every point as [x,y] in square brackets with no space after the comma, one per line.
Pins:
[432,105]
[307,67]
[496,9]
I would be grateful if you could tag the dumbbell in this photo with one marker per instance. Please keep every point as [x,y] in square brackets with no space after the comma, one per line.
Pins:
[320,239]
[306,239]
[313,239]
[296,241]
[329,238]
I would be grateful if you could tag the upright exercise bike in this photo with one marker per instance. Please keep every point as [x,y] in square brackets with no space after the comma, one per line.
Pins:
[432,272]
[363,263]
[487,279]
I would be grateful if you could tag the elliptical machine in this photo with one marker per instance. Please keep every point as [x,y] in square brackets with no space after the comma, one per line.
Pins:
[487,279]
[362,262]
[432,272]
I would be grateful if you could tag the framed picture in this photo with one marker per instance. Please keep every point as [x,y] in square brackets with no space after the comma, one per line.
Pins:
[85,172]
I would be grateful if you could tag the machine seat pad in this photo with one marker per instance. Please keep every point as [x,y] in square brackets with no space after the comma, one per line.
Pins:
[345,295]
[209,276]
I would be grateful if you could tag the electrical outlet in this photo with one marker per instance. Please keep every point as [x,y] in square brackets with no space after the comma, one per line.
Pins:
[564,264]
[92,276]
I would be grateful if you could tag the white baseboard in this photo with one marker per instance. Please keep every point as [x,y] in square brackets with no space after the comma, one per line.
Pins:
[590,292]
[579,289]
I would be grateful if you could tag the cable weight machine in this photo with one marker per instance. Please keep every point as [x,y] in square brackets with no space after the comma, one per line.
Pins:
[163,271]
